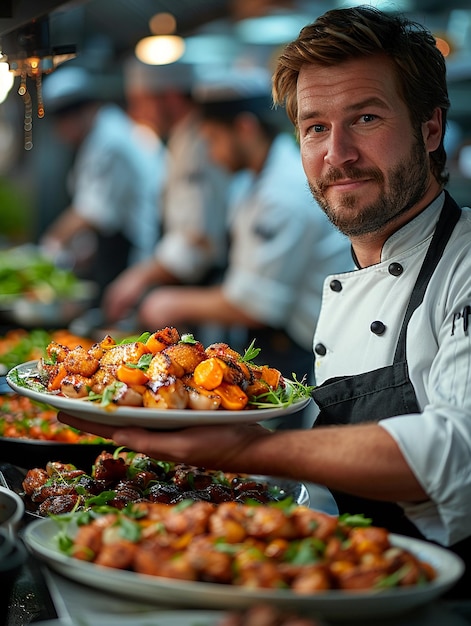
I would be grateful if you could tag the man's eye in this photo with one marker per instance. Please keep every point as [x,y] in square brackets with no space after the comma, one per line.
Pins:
[368,117]
[316,128]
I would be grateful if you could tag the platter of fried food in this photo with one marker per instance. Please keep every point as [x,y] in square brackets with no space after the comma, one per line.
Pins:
[160,380]
[120,478]
[232,555]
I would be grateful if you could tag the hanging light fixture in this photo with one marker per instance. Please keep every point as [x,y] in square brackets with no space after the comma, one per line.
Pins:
[163,46]
[160,49]
[30,55]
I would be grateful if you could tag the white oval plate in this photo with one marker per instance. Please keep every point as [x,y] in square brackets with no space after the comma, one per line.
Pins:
[170,419]
[40,537]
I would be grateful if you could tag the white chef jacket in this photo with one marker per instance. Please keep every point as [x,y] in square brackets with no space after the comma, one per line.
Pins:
[194,207]
[437,442]
[282,246]
[115,181]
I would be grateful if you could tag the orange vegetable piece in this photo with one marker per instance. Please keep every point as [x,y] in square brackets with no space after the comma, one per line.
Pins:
[107,343]
[131,375]
[66,435]
[58,373]
[154,344]
[209,373]
[271,376]
[233,398]
[162,339]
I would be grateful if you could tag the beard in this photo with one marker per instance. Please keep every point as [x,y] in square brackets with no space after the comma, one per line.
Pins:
[400,189]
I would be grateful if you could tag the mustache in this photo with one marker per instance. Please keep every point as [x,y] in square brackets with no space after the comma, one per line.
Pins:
[351,173]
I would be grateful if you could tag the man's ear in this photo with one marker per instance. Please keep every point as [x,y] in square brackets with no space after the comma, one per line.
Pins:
[432,130]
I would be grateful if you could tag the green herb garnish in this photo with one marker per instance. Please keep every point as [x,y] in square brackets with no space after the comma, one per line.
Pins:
[188,338]
[143,363]
[355,520]
[284,396]
[250,353]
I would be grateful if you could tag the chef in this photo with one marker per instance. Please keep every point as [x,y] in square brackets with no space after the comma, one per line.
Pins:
[397,308]
[193,199]
[367,94]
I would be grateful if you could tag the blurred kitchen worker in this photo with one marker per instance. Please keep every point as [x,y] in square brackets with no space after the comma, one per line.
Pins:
[281,247]
[367,92]
[113,183]
[192,246]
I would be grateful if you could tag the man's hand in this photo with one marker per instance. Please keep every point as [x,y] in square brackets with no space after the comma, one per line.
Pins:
[216,447]
[123,294]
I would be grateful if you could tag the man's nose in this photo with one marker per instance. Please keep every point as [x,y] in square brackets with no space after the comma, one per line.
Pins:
[340,148]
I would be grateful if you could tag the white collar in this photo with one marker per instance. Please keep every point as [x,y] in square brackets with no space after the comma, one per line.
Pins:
[415,232]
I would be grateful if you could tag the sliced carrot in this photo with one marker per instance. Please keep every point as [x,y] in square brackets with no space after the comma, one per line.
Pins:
[209,373]
[233,398]
[154,344]
[271,376]
[131,375]
[58,373]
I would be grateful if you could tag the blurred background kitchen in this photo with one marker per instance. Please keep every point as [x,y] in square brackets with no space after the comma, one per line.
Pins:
[104,33]
[102,37]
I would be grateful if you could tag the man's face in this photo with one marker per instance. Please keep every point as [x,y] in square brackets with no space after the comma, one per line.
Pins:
[151,109]
[73,126]
[364,163]
[143,108]
[224,146]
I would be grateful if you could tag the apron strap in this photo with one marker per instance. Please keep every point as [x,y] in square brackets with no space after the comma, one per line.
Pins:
[446,223]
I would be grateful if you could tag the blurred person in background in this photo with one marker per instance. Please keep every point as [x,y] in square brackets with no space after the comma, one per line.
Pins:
[281,247]
[192,246]
[112,220]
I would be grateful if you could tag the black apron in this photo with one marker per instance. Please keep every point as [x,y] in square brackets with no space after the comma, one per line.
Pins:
[386,392]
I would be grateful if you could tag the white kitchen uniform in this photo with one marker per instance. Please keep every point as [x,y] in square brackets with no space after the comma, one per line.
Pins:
[194,208]
[362,313]
[116,179]
[282,247]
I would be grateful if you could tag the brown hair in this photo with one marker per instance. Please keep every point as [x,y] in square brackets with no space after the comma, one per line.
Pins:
[343,34]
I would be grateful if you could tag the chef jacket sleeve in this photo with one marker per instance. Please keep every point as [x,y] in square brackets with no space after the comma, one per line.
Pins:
[194,206]
[105,191]
[437,443]
[271,249]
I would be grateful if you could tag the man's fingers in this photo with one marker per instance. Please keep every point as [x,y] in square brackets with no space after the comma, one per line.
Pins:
[102,430]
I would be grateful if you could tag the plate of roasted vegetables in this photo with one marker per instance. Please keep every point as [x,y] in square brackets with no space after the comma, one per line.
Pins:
[233,555]
[159,380]
[30,433]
